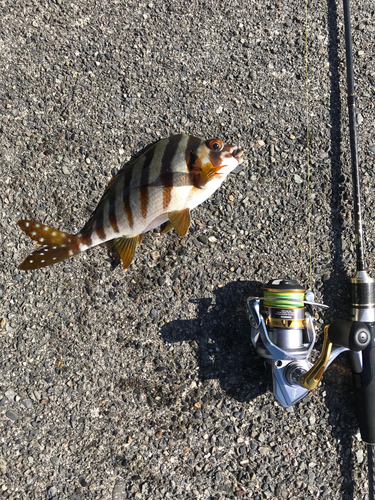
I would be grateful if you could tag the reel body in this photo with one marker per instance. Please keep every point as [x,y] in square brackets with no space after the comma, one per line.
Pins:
[282,332]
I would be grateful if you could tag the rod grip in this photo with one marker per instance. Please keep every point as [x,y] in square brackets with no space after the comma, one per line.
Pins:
[364,391]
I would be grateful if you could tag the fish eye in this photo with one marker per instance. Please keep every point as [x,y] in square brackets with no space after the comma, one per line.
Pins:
[215,144]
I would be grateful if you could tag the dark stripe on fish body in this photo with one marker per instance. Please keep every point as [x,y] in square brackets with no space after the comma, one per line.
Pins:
[112,207]
[145,173]
[126,195]
[99,224]
[190,156]
[215,159]
[86,237]
[166,172]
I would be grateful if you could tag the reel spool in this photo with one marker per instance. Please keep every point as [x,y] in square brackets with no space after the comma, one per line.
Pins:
[284,315]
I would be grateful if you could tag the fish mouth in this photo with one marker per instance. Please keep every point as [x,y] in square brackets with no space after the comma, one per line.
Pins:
[237,153]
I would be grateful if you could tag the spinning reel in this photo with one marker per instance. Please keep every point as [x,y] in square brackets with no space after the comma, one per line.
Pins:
[282,332]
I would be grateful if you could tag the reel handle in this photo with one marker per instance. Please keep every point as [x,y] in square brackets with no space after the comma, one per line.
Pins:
[311,378]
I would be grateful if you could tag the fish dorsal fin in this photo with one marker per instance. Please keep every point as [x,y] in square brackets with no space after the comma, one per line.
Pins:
[126,248]
[110,183]
[180,220]
[207,173]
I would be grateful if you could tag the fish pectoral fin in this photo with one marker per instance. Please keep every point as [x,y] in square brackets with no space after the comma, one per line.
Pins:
[180,220]
[207,173]
[126,248]
[167,226]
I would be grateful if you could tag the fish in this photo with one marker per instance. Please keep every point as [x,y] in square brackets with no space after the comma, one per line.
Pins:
[159,188]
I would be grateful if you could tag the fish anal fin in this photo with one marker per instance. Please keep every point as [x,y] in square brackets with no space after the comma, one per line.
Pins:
[180,220]
[126,248]
[167,226]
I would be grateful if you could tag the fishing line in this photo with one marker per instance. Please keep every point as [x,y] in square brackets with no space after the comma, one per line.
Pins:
[308,141]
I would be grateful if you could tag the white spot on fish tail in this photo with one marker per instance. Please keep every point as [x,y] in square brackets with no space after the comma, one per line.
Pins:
[27,224]
[69,240]
[42,261]
[70,252]
[63,246]
[46,228]
[37,225]
[53,258]
[41,253]
[54,248]
[54,233]
[63,235]
[33,233]
[41,239]
[31,261]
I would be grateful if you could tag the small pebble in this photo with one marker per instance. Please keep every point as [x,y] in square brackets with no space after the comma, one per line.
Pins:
[359,456]
[27,403]
[153,313]
[11,415]
[55,461]
[10,394]
[155,254]
[51,492]
[203,239]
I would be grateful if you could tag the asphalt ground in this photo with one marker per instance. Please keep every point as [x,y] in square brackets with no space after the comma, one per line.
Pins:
[144,384]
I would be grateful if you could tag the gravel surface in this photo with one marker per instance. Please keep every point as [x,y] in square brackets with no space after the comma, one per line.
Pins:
[143,384]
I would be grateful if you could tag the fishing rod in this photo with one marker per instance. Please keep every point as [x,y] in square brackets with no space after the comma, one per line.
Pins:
[282,329]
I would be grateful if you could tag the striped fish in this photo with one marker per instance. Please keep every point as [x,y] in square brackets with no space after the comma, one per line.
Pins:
[161,186]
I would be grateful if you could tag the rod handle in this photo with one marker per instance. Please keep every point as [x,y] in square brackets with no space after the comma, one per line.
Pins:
[364,391]
[354,335]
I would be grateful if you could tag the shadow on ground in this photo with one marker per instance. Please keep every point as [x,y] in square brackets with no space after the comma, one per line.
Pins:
[221,331]
[337,380]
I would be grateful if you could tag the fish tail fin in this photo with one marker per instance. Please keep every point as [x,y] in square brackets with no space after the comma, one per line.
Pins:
[55,245]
